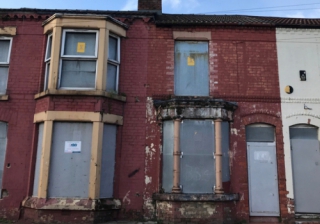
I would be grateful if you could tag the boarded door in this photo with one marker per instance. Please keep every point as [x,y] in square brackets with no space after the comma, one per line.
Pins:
[262,172]
[306,169]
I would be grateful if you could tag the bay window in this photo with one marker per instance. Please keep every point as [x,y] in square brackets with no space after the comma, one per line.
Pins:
[75,155]
[78,60]
[197,155]
[113,63]
[47,60]
[82,55]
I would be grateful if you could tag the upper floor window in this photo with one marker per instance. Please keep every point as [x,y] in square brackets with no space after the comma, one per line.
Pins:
[78,60]
[113,64]
[47,60]
[191,68]
[85,57]
[5,49]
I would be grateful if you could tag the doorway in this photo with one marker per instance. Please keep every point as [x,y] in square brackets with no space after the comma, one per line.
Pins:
[262,170]
[305,168]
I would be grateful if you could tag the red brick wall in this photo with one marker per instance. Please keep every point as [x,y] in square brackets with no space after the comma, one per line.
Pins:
[243,69]
[25,69]
[79,103]
[243,62]
[130,183]
[150,5]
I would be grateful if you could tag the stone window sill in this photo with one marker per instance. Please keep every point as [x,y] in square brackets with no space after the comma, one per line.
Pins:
[4,97]
[80,93]
[71,204]
[196,197]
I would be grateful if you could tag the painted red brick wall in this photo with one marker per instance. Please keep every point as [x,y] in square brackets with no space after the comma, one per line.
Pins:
[26,67]
[79,103]
[243,69]
[130,183]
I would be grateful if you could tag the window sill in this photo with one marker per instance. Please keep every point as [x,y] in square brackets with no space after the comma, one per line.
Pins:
[71,204]
[196,197]
[80,93]
[4,97]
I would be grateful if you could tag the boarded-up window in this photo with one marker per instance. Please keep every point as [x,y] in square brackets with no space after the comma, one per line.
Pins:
[167,158]
[197,165]
[3,146]
[38,160]
[70,160]
[191,73]
[108,160]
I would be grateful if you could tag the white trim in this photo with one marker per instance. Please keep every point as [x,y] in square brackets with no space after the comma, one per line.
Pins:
[9,52]
[117,73]
[46,76]
[48,59]
[76,88]
[47,62]
[77,57]
[79,31]
[118,47]
[114,62]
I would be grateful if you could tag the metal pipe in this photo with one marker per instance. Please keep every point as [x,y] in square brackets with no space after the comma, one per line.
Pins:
[218,154]
[176,157]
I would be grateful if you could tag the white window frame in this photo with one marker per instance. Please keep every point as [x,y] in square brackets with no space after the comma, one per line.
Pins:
[78,57]
[6,63]
[113,62]
[47,61]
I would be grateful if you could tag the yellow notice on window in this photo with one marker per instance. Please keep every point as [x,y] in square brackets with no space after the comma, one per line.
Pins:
[81,47]
[190,61]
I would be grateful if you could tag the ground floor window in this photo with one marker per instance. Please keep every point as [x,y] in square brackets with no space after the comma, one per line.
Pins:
[70,158]
[3,146]
[197,155]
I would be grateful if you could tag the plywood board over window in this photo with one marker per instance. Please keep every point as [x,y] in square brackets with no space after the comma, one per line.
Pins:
[191,68]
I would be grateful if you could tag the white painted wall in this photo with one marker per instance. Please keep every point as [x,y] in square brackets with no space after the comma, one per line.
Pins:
[298,49]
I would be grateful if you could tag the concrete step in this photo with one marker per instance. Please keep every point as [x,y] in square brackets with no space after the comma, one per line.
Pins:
[307,221]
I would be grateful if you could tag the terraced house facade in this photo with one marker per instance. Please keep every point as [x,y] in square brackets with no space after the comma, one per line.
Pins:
[141,115]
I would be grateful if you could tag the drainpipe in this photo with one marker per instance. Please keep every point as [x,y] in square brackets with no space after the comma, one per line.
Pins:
[176,158]
[218,154]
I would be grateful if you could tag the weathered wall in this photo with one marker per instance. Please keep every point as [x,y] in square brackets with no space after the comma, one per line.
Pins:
[79,103]
[130,172]
[243,69]
[196,212]
[23,82]
[298,49]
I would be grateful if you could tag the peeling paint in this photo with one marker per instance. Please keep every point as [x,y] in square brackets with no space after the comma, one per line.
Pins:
[149,206]
[126,198]
[290,206]
[148,180]
[232,155]
[149,113]
[242,197]
[234,131]
[203,210]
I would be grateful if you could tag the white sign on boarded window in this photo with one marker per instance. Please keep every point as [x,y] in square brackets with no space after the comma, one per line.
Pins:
[72,147]
[262,156]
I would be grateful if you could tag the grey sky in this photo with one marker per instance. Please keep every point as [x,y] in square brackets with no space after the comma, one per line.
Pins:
[284,8]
